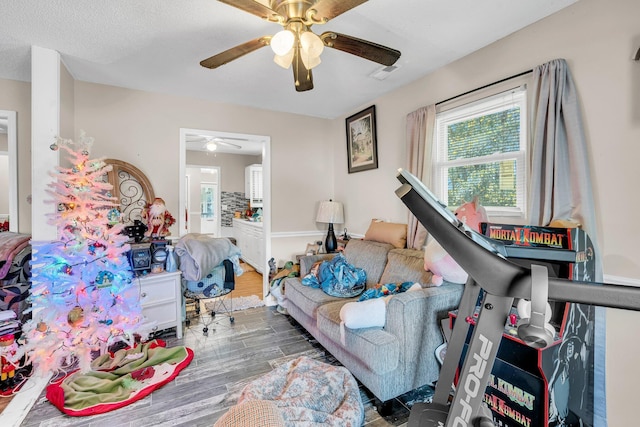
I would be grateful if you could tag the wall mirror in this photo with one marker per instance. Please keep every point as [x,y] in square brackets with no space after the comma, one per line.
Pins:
[8,171]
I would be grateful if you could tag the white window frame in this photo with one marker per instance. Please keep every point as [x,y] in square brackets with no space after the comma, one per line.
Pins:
[484,104]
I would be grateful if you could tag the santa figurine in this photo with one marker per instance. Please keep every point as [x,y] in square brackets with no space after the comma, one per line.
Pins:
[157,219]
[9,359]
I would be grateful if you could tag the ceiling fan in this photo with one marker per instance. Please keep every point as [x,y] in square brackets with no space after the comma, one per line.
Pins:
[296,45]
[210,143]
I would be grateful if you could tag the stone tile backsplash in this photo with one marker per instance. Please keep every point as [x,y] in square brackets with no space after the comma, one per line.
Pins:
[235,201]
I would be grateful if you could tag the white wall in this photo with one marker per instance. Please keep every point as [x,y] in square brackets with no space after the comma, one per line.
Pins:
[597,38]
[143,129]
[231,167]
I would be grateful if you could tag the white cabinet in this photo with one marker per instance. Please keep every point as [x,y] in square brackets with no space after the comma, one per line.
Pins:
[253,185]
[250,240]
[161,301]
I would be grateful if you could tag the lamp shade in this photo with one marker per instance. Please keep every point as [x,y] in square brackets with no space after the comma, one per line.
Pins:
[282,42]
[330,212]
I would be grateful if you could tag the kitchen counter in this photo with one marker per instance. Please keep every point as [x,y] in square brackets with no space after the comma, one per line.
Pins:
[250,240]
[246,221]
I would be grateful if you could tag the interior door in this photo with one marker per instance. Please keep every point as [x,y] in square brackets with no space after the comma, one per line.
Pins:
[209,217]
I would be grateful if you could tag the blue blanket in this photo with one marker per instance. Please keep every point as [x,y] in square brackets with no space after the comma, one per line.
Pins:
[336,277]
[385,290]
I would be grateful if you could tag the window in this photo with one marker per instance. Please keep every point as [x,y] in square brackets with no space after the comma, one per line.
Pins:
[481,150]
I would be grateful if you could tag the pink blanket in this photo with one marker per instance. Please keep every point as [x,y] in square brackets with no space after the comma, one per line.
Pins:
[10,245]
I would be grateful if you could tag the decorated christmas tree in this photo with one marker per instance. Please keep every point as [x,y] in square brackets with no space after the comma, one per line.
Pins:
[83,297]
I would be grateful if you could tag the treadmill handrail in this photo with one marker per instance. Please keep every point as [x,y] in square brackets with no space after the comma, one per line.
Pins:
[483,261]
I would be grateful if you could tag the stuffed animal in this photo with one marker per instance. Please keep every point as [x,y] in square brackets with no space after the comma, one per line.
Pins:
[438,261]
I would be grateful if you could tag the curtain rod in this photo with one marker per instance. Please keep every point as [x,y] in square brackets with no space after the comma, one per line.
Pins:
[486,86]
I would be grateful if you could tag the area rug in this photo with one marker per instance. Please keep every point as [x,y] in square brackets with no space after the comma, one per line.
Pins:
[118,379]
[235,304]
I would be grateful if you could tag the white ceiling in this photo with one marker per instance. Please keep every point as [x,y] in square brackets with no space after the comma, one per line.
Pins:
[156,45]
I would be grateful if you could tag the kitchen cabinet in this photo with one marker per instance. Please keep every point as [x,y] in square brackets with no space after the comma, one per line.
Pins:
[161,302]
[250,239]
[253,185]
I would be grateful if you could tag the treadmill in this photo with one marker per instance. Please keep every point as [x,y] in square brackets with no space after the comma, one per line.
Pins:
[502,281]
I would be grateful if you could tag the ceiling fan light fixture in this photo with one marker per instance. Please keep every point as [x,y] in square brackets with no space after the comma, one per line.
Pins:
[211,146]
[311,43]
[282,42]
[310,61]
[311,47]
[284,60]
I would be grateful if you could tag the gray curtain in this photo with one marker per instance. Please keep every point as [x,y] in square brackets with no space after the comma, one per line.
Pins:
[560,175]
[420,132]
[561,181]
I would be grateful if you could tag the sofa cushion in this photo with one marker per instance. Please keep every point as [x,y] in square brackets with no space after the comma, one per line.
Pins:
[406,265]
[306,298]
[387,232]
[369,255]
[380,350]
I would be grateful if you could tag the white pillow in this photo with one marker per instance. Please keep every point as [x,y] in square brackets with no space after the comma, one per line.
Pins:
[366,314]
[362,314]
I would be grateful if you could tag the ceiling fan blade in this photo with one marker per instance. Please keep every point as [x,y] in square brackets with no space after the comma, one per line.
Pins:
[362,48]
[301,76]
[255,8]
[329,9]
[230,144]
[235,52]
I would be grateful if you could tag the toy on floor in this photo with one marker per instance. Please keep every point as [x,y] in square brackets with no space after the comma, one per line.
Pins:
[438,261]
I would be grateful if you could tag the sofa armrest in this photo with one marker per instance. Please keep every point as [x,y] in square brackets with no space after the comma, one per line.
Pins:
[414,318]
[306,262]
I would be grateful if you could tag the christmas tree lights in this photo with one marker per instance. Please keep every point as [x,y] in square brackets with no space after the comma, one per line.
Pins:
[83,296]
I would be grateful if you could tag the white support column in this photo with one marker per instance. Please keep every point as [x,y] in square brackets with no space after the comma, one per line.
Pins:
[45,126]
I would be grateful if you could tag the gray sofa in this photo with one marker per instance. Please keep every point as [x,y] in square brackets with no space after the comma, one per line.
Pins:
[389,360]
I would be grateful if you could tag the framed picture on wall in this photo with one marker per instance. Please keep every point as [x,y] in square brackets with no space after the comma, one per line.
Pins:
[362,146]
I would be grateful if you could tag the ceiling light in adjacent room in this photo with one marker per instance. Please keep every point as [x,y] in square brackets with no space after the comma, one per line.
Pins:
[211,146]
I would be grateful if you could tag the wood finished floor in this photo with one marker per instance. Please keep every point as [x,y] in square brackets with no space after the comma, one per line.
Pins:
[225,361]
[228,358]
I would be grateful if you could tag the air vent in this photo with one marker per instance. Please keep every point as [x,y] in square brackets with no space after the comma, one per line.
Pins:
[383,72]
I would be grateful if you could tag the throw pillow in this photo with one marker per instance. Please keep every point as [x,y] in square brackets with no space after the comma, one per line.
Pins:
[369,313]
[387,232]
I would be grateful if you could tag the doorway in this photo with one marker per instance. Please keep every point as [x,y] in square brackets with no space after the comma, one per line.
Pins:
[231,153]
[202,200]
[8,171]
[209,218]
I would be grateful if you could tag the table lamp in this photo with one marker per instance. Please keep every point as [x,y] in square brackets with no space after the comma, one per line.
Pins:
[330,212]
